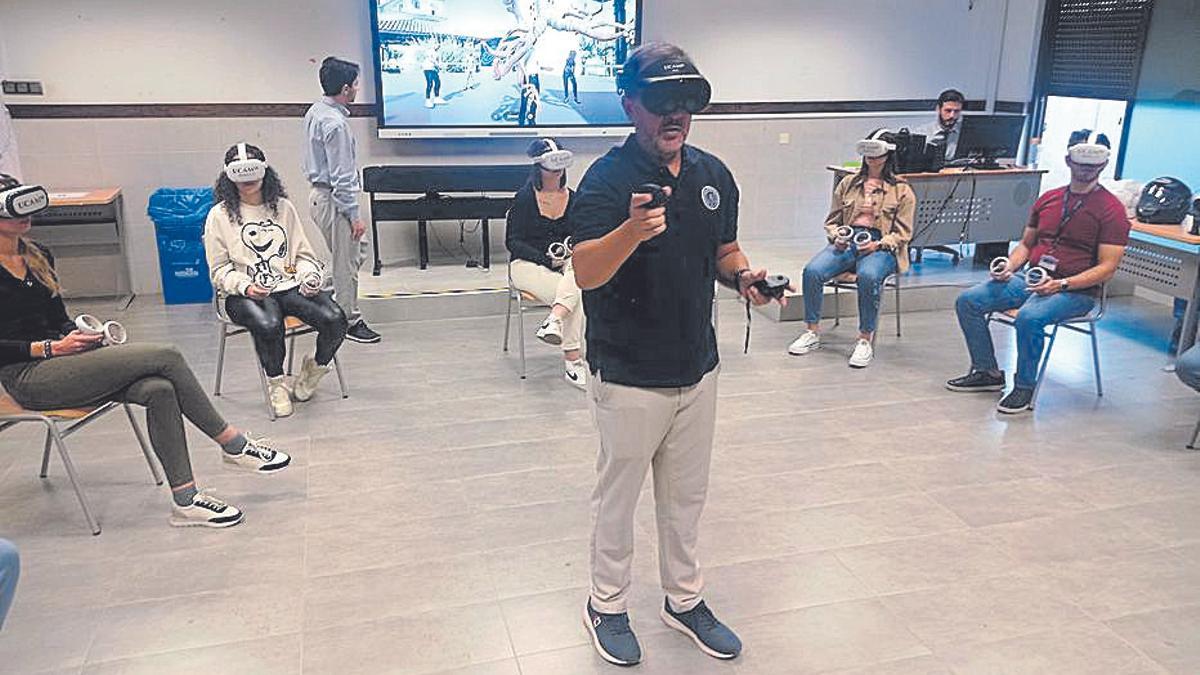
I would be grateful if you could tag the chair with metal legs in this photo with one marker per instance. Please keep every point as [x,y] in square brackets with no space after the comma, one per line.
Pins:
[521,298]
[293,328]
[848,281]
[60,424]
[1085,324]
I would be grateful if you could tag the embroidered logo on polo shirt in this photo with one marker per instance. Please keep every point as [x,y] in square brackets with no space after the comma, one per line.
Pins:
[710,197]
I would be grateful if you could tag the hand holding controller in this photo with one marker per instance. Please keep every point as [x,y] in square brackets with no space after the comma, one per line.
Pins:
[113,333]
[773,286]
[647,211]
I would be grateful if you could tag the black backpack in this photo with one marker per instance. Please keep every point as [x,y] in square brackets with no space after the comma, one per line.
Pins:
[1164,201]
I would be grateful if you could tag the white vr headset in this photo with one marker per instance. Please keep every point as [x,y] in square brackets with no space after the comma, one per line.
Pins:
[245,169]
[1089,152]
[874,145]
[23,201]
[555,158]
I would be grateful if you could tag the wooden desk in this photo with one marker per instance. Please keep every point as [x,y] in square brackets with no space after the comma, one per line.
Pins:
[1165,259]
[959,206]
[85,230]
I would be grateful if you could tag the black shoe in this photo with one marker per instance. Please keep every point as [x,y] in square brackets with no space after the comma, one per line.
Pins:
[1018,401]
[977,380]
[359,332]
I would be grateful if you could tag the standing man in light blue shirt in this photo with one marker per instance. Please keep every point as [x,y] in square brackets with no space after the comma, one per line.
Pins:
[329,165]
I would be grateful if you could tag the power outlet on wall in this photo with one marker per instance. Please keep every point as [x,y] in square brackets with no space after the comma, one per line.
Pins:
[22,87]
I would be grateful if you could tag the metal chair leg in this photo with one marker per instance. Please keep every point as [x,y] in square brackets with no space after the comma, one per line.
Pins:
[291,350]
[897,282]
[1195,434]
[46,455]
[1096,361]
[1037,387]
[70,467]
[507,317]
[220,358]
[262,375]
[141,439]
[337,367]
[837,306]
[521,333]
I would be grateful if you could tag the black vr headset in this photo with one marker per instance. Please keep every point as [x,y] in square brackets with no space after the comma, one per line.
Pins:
[667,86]
[23,201]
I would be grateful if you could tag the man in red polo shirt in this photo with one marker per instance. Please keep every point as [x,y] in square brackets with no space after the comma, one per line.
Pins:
[1077,235]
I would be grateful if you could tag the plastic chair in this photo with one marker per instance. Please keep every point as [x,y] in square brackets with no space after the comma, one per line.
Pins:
[61,424]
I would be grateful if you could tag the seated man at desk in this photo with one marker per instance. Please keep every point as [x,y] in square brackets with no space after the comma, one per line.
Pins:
[1076,234]
[945,129]
[538,237]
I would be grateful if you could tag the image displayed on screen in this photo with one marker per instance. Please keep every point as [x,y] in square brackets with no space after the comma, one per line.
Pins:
[503,63]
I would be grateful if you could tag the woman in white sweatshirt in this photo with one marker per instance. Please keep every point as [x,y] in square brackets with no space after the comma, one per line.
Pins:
[262,264]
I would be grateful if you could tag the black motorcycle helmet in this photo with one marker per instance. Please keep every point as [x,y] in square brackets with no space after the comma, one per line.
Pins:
[1164,201]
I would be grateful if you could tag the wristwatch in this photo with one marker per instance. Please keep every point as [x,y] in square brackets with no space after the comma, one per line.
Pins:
[1064,284]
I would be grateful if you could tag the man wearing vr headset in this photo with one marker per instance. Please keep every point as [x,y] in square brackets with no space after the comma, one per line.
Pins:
[647,263]
[1076,233]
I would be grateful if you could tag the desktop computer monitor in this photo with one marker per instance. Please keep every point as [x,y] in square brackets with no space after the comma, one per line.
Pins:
[986,138]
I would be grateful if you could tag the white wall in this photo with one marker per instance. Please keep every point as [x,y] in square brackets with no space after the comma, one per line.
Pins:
[77,47]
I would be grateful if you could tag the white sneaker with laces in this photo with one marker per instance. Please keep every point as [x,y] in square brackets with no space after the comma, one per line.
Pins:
[258,456]
[428,103]
[576,373]
[310,376]
[550,331]
[862,355]
[205,511]
[807,342]
[281,398]
[439,100]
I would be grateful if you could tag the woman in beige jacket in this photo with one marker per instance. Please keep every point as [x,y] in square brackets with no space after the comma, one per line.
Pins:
[265,269]
[869,226]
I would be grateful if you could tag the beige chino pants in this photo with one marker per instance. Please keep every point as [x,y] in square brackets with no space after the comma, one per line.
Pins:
[553,288]
[671,431]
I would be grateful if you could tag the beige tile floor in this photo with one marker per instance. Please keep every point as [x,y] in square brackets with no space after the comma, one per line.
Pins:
[436,521]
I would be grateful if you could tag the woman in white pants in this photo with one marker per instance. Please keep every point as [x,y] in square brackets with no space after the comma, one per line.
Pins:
[538,239]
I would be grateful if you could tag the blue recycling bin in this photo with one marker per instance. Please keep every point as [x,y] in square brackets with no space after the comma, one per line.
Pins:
[178,215]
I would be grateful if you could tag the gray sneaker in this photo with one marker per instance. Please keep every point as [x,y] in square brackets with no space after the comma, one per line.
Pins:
[711,636]
[612,636]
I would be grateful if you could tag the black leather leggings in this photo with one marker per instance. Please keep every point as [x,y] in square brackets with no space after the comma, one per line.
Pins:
[264,319]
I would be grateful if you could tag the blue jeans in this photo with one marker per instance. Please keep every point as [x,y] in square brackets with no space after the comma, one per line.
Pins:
[871,269]
[10,569]
[1036,313]
[1187,367]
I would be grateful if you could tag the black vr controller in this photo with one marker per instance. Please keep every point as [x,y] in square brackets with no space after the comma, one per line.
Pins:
[773,286]
[658,196]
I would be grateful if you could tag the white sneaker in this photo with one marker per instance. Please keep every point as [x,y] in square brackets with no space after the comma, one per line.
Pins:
[310,376]
[439,100]
[804,344]
[550,331]
[576,373]
[863,353]
[428,103]
[281,398]
[205,511]
[258,456]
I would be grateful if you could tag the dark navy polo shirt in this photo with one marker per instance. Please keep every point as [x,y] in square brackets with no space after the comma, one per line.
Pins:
[651,324]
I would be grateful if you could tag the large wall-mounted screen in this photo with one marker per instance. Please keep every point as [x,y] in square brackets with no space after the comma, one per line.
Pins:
[501,67]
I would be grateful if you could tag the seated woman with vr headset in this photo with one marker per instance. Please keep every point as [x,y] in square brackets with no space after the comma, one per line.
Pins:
[538,237]
[49,362]
[869,226]
[262,263]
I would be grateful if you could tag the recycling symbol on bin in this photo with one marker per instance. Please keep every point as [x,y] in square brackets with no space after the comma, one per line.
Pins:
[269,242]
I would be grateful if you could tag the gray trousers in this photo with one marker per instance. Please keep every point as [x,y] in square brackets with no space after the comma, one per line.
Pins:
[347,255]
[671,430]
[154,376]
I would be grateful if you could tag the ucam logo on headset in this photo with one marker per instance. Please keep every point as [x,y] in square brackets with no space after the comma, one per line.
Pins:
[35,201]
